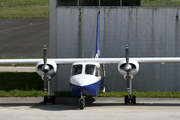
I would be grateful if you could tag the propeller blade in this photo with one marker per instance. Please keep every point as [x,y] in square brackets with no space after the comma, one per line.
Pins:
[127,68]
[45,68]
[127,54]
[45,54]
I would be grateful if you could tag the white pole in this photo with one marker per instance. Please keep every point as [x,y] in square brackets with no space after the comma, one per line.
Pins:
[99,2]
[142,3]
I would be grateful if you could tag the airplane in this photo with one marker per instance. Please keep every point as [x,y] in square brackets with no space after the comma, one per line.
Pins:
[88,74]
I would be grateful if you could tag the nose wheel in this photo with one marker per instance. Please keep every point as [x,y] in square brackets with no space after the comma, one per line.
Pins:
[49,99]
[130,100]
[81,102]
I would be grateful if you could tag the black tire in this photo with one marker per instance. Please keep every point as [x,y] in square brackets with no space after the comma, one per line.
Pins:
[126,99]
[53,100]
[45,99]
[81,104]
[134,99]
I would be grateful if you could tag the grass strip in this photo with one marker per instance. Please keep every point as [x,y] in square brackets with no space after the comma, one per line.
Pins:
[149,94]
[20,81]
[23,84]
[40,93]
[161,3]
[24,9]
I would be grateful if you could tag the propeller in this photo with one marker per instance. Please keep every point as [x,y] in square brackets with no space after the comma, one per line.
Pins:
[45,68]
[127,67]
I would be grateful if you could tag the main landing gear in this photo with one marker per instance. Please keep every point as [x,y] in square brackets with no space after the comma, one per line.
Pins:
[47,79]
[130,99]
[81,102]
[49,98]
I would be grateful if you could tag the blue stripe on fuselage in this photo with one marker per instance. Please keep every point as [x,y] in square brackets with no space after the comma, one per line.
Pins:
[89,90]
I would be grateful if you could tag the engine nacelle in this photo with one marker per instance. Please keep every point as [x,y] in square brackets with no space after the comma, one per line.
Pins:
[133,63]
[52,68]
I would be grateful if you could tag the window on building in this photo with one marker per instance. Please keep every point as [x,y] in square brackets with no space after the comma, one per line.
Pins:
[110,3]
[88,2]
[67,2]
[99,2]
[131,2]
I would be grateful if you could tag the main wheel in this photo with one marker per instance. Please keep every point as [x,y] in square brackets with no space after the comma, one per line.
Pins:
[126,99]
[45,99]
[81,104]
[53,99]
[134,99]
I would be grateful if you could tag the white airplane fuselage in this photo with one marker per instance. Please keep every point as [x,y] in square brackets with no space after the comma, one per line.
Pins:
[87,78]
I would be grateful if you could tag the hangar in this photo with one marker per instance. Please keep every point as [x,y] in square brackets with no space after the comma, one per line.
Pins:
[149,31]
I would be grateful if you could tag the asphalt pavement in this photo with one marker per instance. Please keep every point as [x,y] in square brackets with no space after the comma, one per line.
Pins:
[23,38]
[26,108]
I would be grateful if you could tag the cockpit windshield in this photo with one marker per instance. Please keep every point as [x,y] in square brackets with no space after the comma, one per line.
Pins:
[76,69]
[92,70]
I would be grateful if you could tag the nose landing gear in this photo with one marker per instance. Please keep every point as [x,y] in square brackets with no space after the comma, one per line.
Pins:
[81,102]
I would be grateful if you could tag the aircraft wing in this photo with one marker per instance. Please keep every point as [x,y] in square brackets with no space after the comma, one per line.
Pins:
[158,60]
[19,61]
[99,60]
[117,60]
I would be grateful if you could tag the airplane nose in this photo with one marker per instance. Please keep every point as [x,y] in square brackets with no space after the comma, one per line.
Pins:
[83,80]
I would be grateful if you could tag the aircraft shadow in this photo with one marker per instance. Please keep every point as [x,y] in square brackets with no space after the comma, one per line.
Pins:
[89,103]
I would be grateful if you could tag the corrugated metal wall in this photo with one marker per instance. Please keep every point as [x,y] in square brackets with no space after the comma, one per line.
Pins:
[149,31]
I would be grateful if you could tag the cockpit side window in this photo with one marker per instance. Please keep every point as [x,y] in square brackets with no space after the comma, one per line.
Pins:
[92,70]
[76,69]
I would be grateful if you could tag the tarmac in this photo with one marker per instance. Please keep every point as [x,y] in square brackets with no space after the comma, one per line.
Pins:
[93,101]
[23,38]
[103,108]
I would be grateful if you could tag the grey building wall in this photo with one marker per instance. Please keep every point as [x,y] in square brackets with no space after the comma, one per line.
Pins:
[149,31]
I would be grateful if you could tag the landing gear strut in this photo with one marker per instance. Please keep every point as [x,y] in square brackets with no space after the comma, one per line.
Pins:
[45,68]
[130,99]
[49,98]
[81,102]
